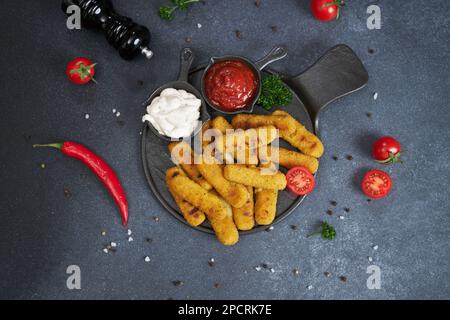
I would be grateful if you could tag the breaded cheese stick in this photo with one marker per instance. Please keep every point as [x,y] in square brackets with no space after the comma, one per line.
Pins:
[177,151]
[289,159]
[298,136]
[190,213]
[244,217]
[193,193]
[265,206]
[246,121]
[254,177]
[221,124]
[233,193]
[225,229]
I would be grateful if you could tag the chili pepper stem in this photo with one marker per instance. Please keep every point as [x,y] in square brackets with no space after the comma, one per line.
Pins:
[49,145]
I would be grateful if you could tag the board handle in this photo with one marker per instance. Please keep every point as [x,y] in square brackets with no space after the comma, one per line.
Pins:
[337,73]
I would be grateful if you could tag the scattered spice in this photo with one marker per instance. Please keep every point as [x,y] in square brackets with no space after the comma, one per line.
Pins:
[140,83]
[369,115]
[178,283]
[265,266]
[347,209]
[333,203]
[343,278]
[216,285]
[369,200]
[188,39]
[335,158]
[349,157]
[211,262]
[296,272]
[327,274]
[149,240]
[257,3]
[329,212]
[293,227]
[67,193]
[371,51]
[156,219]
[238,34]
[274,28]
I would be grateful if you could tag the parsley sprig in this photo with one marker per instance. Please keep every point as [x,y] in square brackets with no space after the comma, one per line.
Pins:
[166,12]
[326,231]
[274,93]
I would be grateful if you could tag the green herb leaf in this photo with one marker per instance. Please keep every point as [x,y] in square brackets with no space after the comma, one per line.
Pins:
[274,93]
[166,12]
[326,231]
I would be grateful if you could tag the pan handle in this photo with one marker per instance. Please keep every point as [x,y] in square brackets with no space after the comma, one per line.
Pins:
[337,73]
[186,57]
[275,54]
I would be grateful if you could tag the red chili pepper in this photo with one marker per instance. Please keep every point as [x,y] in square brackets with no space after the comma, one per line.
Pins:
[101,169]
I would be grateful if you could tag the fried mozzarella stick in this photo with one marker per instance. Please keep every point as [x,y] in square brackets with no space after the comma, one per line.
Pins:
[289,129]
[190,213]
[289,159]
[225,229]
[193,193]
[233,193]
[298,136]
[221,124]
[265,206]
[244,217]
[177,151]
[254,177]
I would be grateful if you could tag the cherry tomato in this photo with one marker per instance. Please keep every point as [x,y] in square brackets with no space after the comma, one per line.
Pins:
[300,181]
[386,150]
[81,70]
[376,184]
[326,10]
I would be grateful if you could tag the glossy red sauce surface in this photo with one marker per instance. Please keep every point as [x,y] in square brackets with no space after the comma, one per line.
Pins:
[230,84]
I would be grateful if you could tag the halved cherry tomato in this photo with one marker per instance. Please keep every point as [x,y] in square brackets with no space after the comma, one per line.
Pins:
[386,150]
[326,10]
[376,184]
[300,181]
[81,70]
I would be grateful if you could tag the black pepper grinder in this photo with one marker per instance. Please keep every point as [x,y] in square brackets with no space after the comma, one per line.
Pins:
[126,36]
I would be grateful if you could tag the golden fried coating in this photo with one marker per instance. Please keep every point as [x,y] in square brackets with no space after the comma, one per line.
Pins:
[298,136]
[289,129]
[244,217]
[182,154]
[265,206]
[221,124]
[225,229]
[289,159]
[254,177]
[235,194]
[193,193]
[190,213]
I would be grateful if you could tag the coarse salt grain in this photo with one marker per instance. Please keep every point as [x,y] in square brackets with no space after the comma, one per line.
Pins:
[114,110]
[370,259]
[375,247]
[310,287]
[272,270]
[129,232]
[105,250]
[199,25]
[341,217]
[130,239]
[118,114]
[375,96]
[258,268]
[147,259]
[113,244]
[86,116]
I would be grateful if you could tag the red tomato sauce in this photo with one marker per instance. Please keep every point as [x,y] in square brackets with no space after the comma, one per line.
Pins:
[230,85]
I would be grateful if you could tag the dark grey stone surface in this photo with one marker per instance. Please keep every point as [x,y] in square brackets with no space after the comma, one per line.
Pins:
[42,231]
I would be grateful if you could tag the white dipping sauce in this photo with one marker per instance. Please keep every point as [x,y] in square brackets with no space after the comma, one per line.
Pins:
[174,113]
